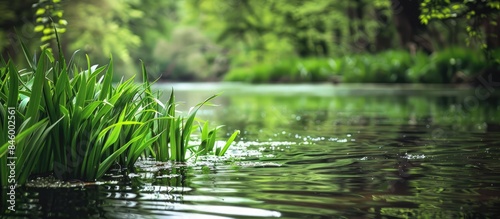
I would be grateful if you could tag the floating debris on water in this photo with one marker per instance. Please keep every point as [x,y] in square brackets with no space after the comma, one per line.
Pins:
[168,176]
[257,164]
[133,175]
[52,182]
[256,143]
[412,157]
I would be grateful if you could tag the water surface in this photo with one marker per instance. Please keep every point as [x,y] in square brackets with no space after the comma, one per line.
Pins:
[313,151]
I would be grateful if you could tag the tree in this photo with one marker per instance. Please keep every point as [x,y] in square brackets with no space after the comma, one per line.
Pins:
[410,29]
[265,30]
[102,28]
[154,27]
[482,17]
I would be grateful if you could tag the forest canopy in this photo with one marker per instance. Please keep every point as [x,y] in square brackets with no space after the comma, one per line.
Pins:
[204,39]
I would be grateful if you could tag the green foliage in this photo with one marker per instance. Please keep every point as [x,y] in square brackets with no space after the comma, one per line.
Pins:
[315,70]
[209,143]
[420,70]
[385,67]
[452,65]
[103,28]
[189,55]
[475,12]
[495,56]
[49,17]
[77,124]
[286,71]
[445,9]
[201,40]
[448,66]
[257,31]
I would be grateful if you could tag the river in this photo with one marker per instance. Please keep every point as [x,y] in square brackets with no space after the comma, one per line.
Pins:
[314,151]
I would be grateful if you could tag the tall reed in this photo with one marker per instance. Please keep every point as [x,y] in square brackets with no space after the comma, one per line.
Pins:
[76,124]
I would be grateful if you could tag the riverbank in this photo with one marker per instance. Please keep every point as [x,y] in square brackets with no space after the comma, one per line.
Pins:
[449,66]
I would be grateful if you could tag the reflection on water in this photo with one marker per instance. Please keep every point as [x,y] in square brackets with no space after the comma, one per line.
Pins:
[314,152]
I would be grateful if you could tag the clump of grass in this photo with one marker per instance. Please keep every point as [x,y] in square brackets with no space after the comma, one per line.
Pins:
[448,66]
[74,123]
[176,132]
[394,70]
[416,73]
[385,67]
[354,70]
[208,141]
[283,71]
[315,70]
[243,74]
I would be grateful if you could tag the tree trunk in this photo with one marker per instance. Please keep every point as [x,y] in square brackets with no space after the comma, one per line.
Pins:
[492,33]
[408,25]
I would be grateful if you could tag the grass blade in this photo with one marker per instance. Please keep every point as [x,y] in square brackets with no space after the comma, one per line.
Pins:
[229,142]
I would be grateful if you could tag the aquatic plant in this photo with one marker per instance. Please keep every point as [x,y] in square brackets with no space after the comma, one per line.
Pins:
[76,124]
[176,133]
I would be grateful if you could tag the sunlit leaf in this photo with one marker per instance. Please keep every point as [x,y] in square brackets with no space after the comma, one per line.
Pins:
[39,28]
[40,11]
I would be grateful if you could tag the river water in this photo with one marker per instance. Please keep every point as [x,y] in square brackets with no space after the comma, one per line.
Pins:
[313,151]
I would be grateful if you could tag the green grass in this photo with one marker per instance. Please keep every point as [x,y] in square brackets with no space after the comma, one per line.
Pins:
[393,66]
[385,67]
[450,65]
[284,71]
[208,141]
[74,123]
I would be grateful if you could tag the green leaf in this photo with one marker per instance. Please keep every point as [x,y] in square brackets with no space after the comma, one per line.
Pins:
[229,142]
[50,56]
[189,122]
[39,28]
[40,11]
[106,164]
[173,140]
[134,154]
[47,31]
[115,133]
[13,85]
[106,85]
[63,22]
[46,38]
[89,109]
[36,90]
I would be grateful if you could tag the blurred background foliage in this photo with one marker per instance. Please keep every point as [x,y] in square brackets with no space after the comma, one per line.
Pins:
[267,40]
